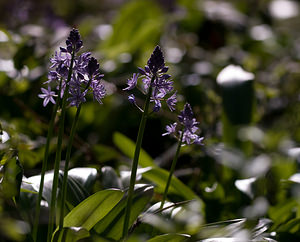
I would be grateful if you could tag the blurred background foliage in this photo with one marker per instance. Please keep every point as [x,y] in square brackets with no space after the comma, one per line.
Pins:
[246,169]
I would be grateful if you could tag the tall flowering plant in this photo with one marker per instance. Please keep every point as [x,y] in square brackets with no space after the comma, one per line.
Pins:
[71,78]
[158,88]
[186,132]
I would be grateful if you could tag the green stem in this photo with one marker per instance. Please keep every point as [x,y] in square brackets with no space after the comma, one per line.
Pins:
[172,171]
[68,154]
[135,160]
[56,169]
[44,168]
[58,154]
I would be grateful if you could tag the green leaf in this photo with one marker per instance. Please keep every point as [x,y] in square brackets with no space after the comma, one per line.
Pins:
[221,229]
[146,27]
[170,237]
[76,192]
[86,176]
[292,226]
[111,225]
[28,191]
[109,178]
[159,176]
[93,209]
[127,146]
[12,178]
[282,212]
[105,153]
[70,234]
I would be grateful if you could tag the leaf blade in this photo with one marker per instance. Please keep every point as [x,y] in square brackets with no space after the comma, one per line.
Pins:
[93,209]
[127,146]
[111,225]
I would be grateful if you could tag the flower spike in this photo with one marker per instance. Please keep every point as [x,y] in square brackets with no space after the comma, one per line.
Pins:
[154,74]
[189,127]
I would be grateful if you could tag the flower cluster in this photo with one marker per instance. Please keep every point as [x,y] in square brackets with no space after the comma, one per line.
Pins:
[154,75]
[189,127]
[84,78]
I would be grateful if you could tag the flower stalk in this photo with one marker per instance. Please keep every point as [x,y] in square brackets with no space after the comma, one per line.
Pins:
[66,168]
[156,87]
[136,159]
[70,78]
[172,170]
[58,153]
[67,161]
[186,135]
[44,168]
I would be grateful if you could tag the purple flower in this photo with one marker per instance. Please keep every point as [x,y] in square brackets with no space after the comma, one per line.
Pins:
[171,102]
[171,129]
[189,127]
[198,140]
[47,95]
[60,59]
[73,42]
[154,74]
[132,82]
[85,76]
[98,91]
[80,64]
[52,77]
[92,66]
[186,118]
[156,61]
[77,97]
[157,105]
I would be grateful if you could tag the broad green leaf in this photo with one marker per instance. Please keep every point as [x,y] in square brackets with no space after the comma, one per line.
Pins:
[146,27]
[127,146]
[170,237]
[70,234]
[109,178]
[86,176]
[93,209]
[292,226]
[105,153]
[221,229]
[159,176]
[111,226]
[28,197]
[76,192]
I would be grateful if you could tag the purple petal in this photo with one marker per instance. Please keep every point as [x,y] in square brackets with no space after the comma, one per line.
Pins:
[141,71]
[157,105]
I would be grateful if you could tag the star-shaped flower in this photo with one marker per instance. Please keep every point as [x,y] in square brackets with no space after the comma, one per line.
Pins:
[47,95]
